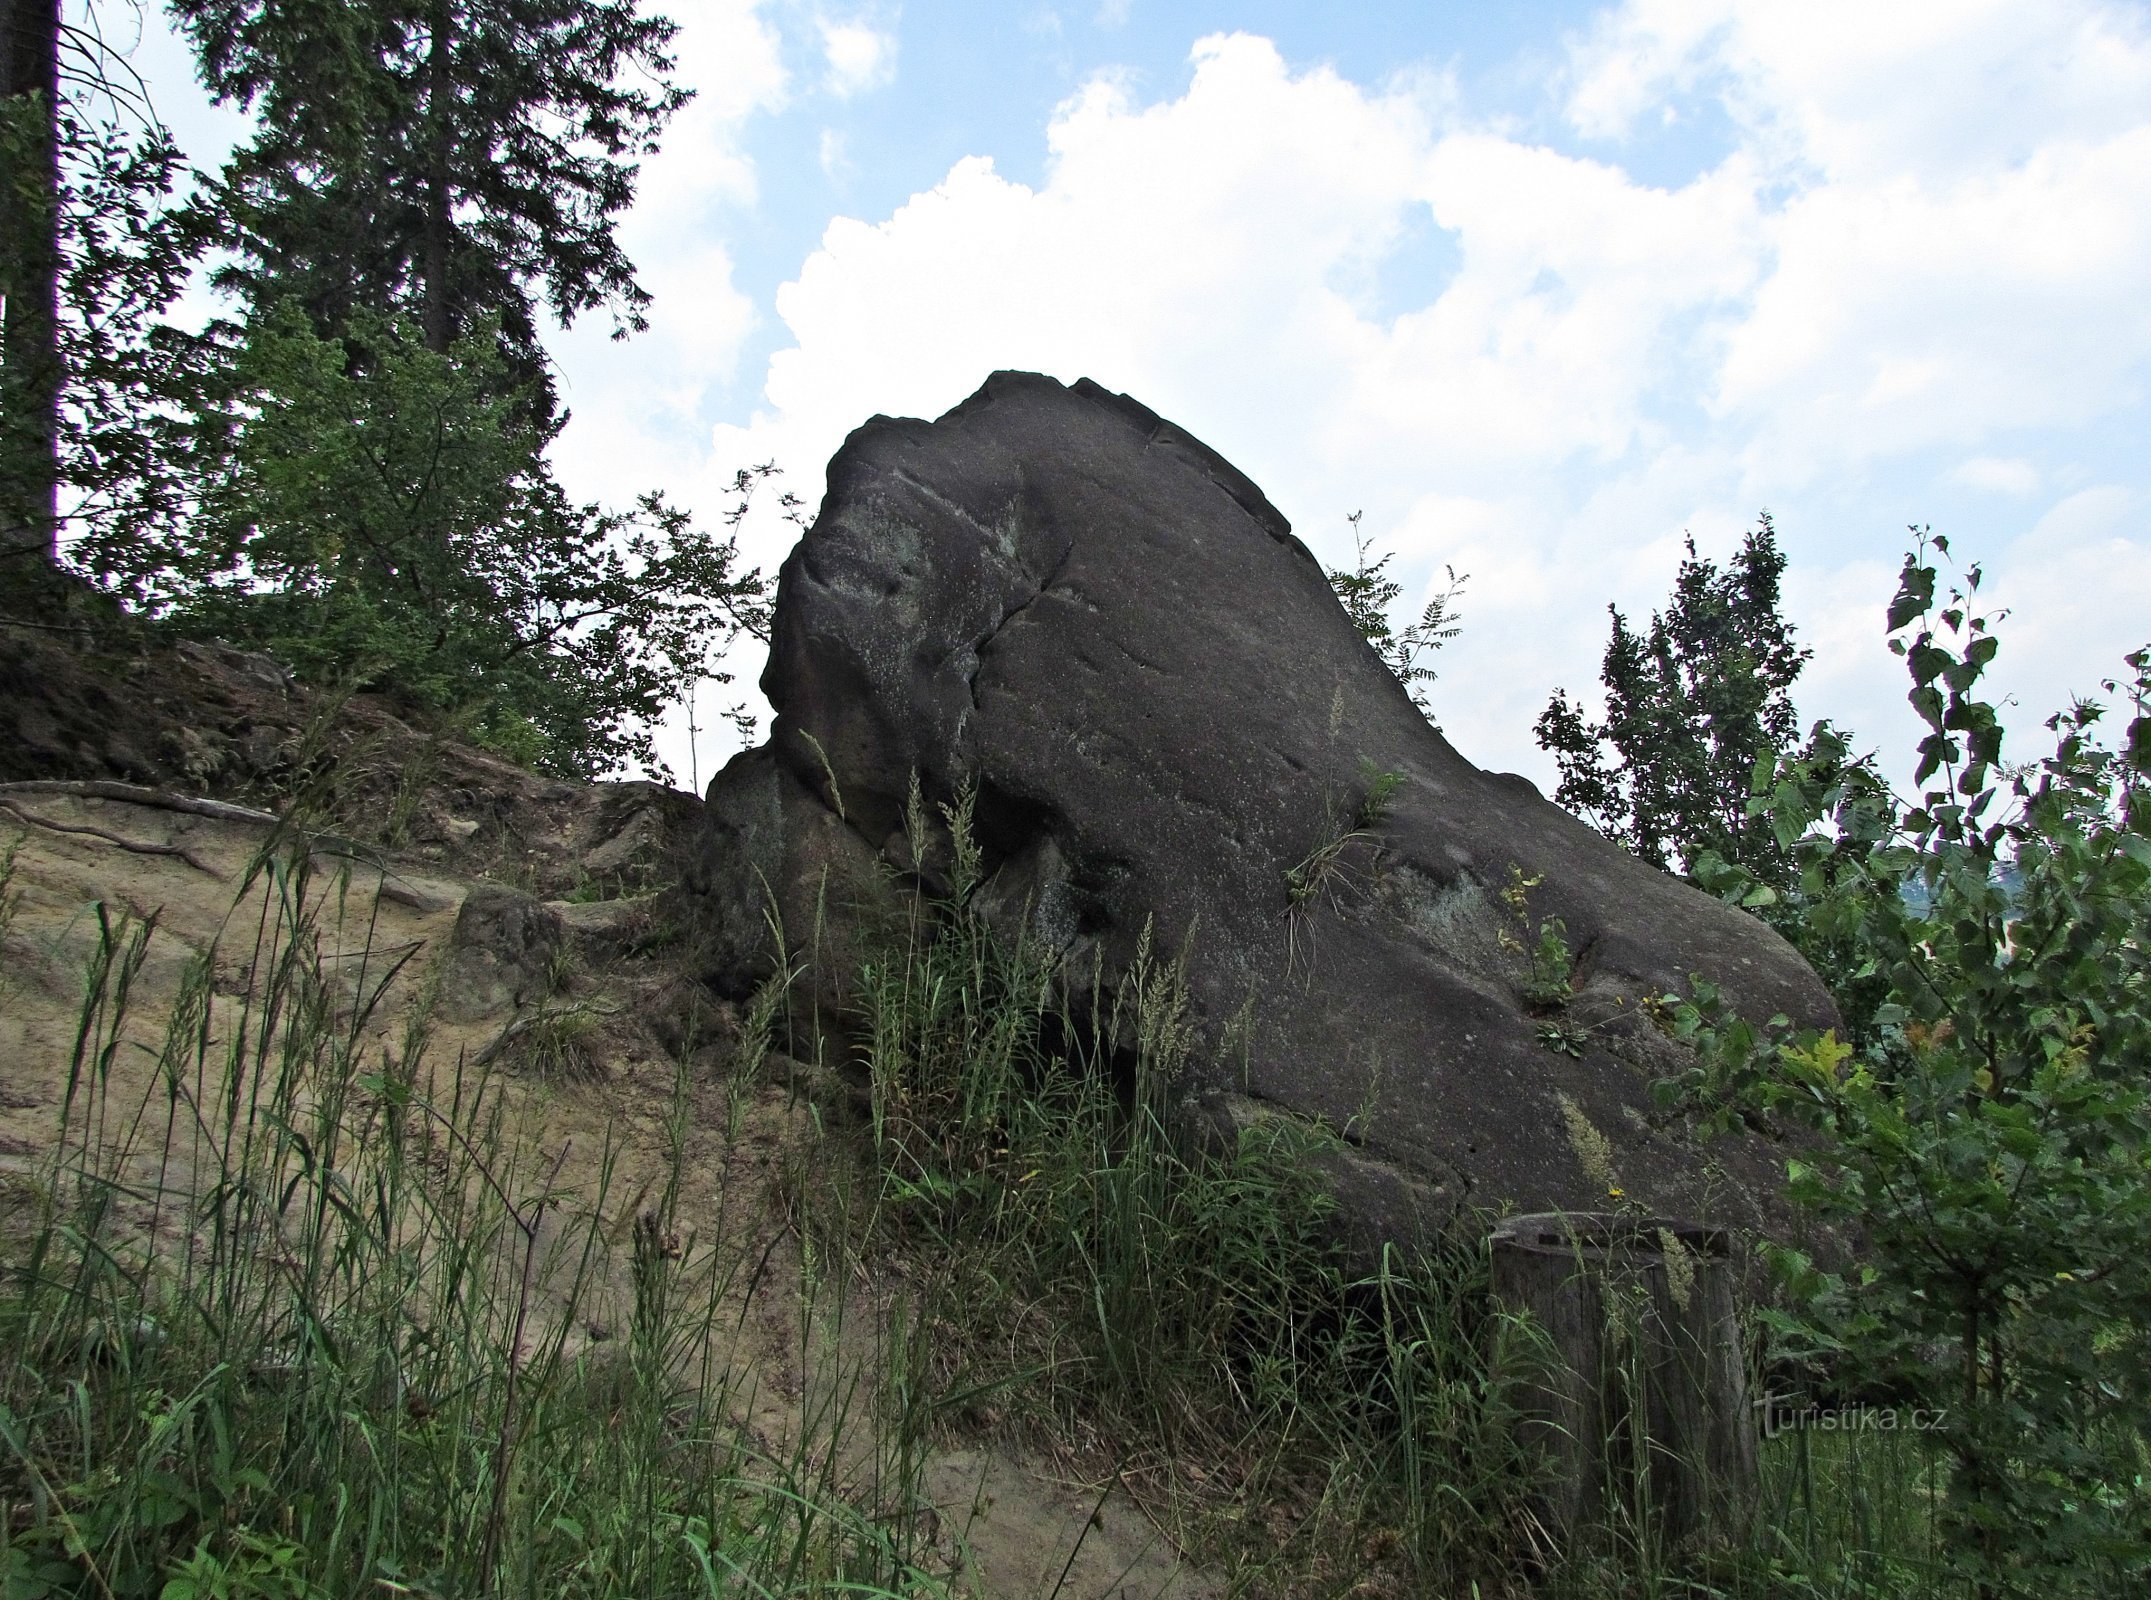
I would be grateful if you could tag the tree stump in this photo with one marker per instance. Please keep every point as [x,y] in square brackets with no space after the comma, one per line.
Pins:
[1638,1395]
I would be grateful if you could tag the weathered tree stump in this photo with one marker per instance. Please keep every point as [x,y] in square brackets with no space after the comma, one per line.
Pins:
[1638,1397]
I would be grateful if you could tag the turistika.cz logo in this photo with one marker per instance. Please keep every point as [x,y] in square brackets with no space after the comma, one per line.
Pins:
[1783,1414]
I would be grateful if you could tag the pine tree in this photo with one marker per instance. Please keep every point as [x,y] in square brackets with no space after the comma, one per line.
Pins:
[375,500]
[1691,705]
[453,160]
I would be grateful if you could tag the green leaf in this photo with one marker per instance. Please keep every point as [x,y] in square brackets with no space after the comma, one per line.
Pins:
[1915,595]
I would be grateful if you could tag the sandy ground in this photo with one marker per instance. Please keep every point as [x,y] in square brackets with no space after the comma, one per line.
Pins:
[1006,1523]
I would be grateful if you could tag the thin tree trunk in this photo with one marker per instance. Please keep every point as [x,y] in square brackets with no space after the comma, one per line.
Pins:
[31,378]
[439,132]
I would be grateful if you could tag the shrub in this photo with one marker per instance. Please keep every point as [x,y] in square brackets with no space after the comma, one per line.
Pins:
[1985,1131]
[1368,591]
[382,516]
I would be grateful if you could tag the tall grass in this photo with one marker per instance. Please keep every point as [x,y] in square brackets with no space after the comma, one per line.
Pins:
[307,1310]
[305,1313]
[1093,1271]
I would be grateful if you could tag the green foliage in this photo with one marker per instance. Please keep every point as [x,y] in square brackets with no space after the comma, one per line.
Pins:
[255,1568]
[1539,945]
[1379,796]
[1317,872]
[1986,1132]
[1367,592]
[383,518]
[1691,707]
[95,424]
[127,431]
[1550,965]
[993,1138]
[355,478]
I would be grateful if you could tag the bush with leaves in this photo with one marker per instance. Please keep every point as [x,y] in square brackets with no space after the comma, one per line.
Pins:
[383,516]
[1986,1135]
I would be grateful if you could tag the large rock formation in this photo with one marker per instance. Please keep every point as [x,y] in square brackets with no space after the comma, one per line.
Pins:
[1055,596]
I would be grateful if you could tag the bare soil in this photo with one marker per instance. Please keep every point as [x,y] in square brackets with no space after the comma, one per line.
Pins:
[411,825]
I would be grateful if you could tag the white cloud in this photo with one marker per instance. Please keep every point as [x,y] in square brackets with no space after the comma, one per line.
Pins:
[1163,239]
[1858,91]
[2087,517]
[1879,268]
[1966,226]
[1995,474]
[859,56]
[1852,678]
[728,50]
[1902,314]
[830,154]
[2078,591]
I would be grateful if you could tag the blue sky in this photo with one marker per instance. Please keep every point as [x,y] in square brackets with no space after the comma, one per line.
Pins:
[1541,288]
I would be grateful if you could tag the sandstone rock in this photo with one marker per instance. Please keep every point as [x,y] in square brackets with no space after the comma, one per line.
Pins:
[626,842]
[1056,597]
[503,956]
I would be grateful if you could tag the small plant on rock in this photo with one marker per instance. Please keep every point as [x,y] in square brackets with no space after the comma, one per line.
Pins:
[1318,873]
[1320,869]
[1550,965]
[1368,591]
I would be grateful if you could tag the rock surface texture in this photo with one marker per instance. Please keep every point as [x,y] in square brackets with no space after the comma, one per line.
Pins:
[1056,597]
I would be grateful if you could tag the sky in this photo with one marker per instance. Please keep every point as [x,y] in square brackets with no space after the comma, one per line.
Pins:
[1541,290]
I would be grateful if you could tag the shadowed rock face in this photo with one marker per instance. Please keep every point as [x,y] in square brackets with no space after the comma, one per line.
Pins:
[1054,595]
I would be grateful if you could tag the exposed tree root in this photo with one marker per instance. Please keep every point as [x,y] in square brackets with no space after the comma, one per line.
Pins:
[135,794]
[141,847]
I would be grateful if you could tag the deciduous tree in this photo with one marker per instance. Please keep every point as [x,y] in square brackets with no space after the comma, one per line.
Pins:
[1691,704]
[1986,1132]
[388,523]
